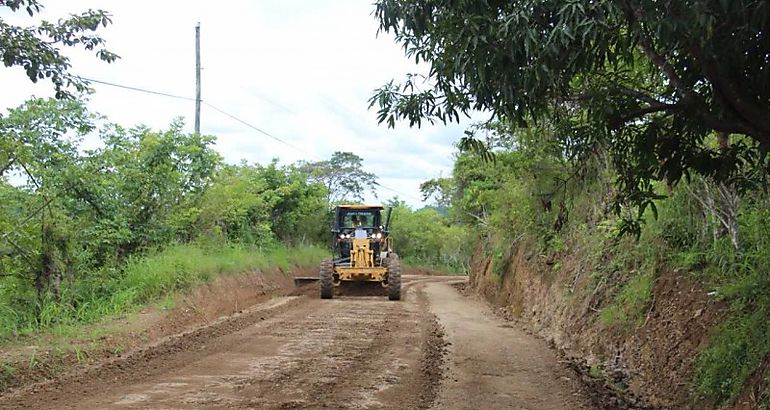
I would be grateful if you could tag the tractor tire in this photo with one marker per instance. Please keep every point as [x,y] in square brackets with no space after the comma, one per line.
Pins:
[326,279]
[394,277]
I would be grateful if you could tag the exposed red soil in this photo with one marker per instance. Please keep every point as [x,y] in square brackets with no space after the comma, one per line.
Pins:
[646,366]
[433,349]
[47,356]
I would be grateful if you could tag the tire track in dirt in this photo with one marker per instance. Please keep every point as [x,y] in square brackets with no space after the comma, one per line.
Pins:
[140,363]
[370,356]
[493,364]
[300,352]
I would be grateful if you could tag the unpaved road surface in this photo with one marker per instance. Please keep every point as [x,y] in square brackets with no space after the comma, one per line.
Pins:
[435,349]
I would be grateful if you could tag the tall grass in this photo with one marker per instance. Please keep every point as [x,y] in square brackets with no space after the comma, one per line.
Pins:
[740,344]
[180,267]
[142,280]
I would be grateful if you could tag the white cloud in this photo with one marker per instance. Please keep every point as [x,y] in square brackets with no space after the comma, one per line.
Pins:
[301,70]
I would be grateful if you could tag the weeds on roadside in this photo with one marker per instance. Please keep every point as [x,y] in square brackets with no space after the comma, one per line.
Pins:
[142,280]
[630,305]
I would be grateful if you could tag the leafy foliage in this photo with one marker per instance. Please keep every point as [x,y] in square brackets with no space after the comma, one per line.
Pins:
[72,220]
[342,175]
[648,82]
[262,203]
[37,49]
[427,238]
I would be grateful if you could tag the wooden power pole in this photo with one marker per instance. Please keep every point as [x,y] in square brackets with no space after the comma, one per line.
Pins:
[198,78]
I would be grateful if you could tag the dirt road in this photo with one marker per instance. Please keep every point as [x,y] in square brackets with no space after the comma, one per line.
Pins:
[435,349]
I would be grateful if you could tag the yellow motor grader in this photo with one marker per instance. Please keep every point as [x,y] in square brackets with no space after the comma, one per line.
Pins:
[361,251]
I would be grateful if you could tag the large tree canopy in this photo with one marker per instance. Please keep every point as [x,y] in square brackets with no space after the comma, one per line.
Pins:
[343,176]
[650,80]
[37,49]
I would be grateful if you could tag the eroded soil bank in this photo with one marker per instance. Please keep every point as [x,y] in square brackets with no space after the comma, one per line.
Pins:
[644,362]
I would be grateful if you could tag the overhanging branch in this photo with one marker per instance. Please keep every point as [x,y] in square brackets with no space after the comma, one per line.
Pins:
[645,42]
[732,95]
[653,108]
[7,166]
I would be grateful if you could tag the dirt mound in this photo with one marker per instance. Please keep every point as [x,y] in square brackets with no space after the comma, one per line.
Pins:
[222,297]
[47,356]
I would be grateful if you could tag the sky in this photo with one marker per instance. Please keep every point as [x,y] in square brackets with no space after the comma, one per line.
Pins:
[301,70]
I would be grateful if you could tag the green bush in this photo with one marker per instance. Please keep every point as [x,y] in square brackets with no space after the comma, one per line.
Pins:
[742,342]
[428,238]
[145,279]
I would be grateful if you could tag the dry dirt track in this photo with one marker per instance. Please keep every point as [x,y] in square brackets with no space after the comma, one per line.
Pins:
[435,349]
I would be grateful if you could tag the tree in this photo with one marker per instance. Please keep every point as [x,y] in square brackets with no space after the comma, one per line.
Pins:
[37,49]
[141,187]
[440,189]
[258,204]
[136,191]
[33,137]
[427,237]
[650,81]
[38,141]
[342,175]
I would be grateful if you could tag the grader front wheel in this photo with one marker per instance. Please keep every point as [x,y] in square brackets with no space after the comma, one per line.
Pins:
[394,278]
[326,279]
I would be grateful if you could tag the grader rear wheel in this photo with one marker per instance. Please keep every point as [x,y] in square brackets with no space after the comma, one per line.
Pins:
[394,277]
[326,279]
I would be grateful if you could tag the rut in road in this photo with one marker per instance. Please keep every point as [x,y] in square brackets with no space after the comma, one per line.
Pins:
[358,352]
[345,353]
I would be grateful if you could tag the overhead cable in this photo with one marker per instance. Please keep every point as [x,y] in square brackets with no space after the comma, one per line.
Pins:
[221,111]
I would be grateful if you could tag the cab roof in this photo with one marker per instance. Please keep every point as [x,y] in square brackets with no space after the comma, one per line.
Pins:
[360,207]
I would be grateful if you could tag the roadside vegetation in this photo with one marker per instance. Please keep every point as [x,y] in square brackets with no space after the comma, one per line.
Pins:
[714,233]
[93,232]
[429,238]
[631,136]
[150,278]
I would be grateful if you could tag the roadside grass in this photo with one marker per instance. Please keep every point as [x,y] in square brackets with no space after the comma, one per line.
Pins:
[7,373]
[142,280]
[147,279]
[628,309]
[740,344]
[450,269]
[737,349]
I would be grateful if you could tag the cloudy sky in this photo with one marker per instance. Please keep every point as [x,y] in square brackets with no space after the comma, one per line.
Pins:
[301,70]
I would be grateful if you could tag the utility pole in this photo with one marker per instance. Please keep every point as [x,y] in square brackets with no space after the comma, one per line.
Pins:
[198,78]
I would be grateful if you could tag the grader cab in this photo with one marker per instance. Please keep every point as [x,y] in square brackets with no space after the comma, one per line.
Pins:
[362,251]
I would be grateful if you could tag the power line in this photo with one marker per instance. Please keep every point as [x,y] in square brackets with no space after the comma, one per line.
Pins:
[141,90]
[399,192]
[261,131]
[221,111]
